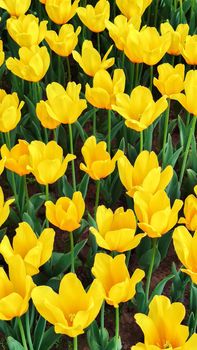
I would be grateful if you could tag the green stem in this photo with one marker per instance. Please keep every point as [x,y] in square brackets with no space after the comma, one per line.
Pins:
[109,132]
[98,182]
[22,333]
[94,122]
[26,191]
[72,252]
[181,11]
[59,71]
[98,43]
[47,198]
[165,133]
[75,344]
[189,140]
[102,322]
[56,134]
[123,59]
[46,135]
[132,65]
[68,68]
[117,326]
[151,78]
[136,74]
[27,326]
[141,141]
[72,162]
[150,271]
[156,12]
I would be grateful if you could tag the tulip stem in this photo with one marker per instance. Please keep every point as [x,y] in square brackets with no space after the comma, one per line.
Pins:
[75,344]
[27,326]
[26,192]
[47,198]
[151,78]
[68,68]
[94,122]
[102,319]
[156,13]
[117,326]
[98,183]
[141,141]
[72,162]
[136,74]
[189,140]
[165,133]
[72,252]
[98,42]
[150,271]
[22,333]
[109,132]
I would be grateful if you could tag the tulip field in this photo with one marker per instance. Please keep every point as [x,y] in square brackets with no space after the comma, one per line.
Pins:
[98,174]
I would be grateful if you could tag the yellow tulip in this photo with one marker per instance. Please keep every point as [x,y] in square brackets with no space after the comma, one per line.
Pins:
[94,17]
[32,64]
[190,212]
[116,231]
[35,251]
[132,46]
[61,11]
[45,118]
[171,79]
[15,7]
[131,8]
[178,36]
[105,88]
[119,286]
[162,327]
[15,291]
[10,111]
[26,30]
[90,59]
[2,54]
[154,212]
[139,109]
[63,43]
[139,177]
[47,157]
[63,105]
[17,158]
[66,213]
[72,309]
[189,49]
[98,163]
[4,207]
[188,100]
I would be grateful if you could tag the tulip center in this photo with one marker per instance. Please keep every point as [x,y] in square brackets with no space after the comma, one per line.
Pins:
[71,318]
[167,345]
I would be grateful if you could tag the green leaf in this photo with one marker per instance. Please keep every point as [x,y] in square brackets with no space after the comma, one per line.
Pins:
[13,344]
[146,258]
[83,186]
[50,338]
[39,332]
[114,345]
[158,290]
[81,131]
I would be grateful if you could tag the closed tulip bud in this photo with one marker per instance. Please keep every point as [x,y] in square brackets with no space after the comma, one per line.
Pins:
[131,8]
[114,276]
[190,212]
[132,46]
[171,79]
[139,109]
[50,157]
[2,54]
[45,117]
[15,7]
[10,111]
[94,17]
[188,99]
[116,231]
[4,207]
[63,43]
[66,213]
[105,88]
[17,159]
[90,60]
[162,327]
[188,49]
[178,36]
[98,163]
[35,251]
[154,212]
[26,30]
[32,64]
[61,11]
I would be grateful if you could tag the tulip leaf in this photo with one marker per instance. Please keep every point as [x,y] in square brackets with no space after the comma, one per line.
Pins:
[145,259]
[31,106]
[98,339]
[113,344]
[50,338]
[164,243]
[6,329]
[115,129]
[83,186]
[192,179]
[64,187]
[81,131]
[158,290]
[13,344]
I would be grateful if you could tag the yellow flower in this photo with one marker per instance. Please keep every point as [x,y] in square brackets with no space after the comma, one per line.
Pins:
[63,105]
[178,36]
[45,118]
[188,100]
[26,30]
[2,54]
[35,251]
[47,157]
[131,8]
[116,231]
[61,11]
[162,327]
[32,65]
[63,43]
[15,7]
[189,49]
[190,212]
[4,207]
[105,88]
[90,59]
[119,286]
[66,213]
[94,17]
[154,212]
[72,309]
[171,79]
[98,163]
[10,111]
[139,109]
[17,158]
[139,177]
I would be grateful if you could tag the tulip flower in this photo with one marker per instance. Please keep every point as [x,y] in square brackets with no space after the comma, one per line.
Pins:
[26,30]
[32,64]
[162,327]
[170,80]
[116,231]
[139,177]
[94,17]
[90,60]
[4,207]
[189,49]
[63,43]
[44,117]
[61,11]
[50,157]
[15,7]
[10,111]
[66,213]
[105,88]
[130,8]
[119,286]
[98,163]
[35,251]
[190,212]
[154,212]
[63,105]
[178,36]
[2,54]
[17,158]
[139,109]
[72,309]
